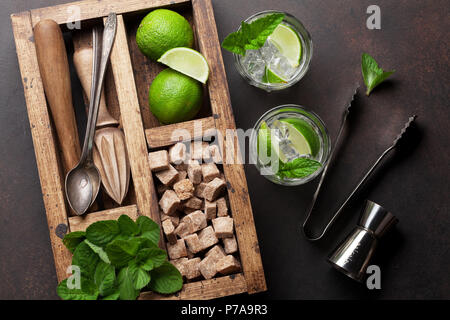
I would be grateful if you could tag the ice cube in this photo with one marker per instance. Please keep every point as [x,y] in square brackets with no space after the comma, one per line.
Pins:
[284,144]
[254,63]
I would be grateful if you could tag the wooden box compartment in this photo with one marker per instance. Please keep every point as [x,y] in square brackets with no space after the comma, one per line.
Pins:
[126,87]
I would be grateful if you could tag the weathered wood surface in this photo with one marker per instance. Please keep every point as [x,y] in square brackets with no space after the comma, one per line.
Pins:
[208,42]
[146,197]
[80,223]
[91,9]
[43,140]
[167,135]
[204,290]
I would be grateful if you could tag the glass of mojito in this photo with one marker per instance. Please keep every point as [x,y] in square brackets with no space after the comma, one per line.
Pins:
[290,145]
[283,59]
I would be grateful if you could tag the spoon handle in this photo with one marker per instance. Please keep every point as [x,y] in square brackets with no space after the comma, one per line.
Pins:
[98,75]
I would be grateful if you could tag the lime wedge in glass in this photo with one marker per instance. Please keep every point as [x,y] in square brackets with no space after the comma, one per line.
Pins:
[264,140]
[290,142]
[188,62]
[271,77]
[288,43]
[307,132]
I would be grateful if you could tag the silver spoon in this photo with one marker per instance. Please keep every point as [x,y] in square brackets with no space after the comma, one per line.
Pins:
[83,181]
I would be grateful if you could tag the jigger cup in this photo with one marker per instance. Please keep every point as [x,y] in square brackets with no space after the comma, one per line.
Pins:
[353,255]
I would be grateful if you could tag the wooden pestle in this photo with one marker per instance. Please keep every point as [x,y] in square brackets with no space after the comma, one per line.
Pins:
[110,155]
[54,69]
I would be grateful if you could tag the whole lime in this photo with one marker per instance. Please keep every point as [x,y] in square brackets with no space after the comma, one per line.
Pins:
[162,30]
[174,97]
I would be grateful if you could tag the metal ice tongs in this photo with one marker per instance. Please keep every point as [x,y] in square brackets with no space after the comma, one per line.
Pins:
[360,183]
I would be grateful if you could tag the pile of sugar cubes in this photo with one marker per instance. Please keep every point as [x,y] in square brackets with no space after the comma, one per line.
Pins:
[195,217]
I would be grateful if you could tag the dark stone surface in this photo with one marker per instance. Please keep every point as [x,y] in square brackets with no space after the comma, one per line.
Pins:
[414,185]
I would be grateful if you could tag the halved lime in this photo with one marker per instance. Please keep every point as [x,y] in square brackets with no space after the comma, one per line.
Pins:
[288,43]
[271,77]
[188,62]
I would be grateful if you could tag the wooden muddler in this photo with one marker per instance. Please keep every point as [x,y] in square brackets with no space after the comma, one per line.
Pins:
[54,69]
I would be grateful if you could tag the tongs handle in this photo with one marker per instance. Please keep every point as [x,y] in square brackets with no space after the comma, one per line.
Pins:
[360,183]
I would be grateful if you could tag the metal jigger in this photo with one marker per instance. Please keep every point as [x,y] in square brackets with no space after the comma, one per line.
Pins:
[353,255]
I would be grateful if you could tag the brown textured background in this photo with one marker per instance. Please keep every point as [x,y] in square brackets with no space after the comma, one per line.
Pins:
[414,185]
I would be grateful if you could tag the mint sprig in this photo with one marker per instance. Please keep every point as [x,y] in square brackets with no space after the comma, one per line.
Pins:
[118,259]
[373,75]
[298,168]
[252,36]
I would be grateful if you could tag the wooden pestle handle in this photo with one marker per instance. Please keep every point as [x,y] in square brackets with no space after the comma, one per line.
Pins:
[82,59]
[54,69]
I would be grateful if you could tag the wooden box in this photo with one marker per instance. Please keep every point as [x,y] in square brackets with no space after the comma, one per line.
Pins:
[126,88]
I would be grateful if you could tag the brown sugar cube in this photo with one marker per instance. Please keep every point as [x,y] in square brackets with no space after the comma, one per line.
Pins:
[194,172]
[159,160]
[222,208]
[179,264]
[214,151]
[216,252]
[230,245]
[193,243]
[223,226]
[194,203]
[207,237]
[183,229]
[198,192]
[181,166]
[207,267]
[169,202]
[210,210]
[197,220]
[184,189]
[210,171]
[177,153]
[227,265]
[169,231]
[177,250]
[213,189]
[181,175]
[175,219]
[189,253]
[191,268]
[167,177]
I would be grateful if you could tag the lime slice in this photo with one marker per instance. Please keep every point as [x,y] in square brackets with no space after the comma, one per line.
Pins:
[288,43]
[271,77]
[188,62]
[264,140]
[298,141]
[307,131]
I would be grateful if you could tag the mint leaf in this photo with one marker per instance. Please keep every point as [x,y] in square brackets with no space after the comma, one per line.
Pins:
[86,259]
[120,252]
[98,250]
[102,232]
[148,229]
[372,74]
[139,276]
[73,239]
[126,287]
[127,226]
[105,278]
[252,36]
[88,290]
[150,258]
[298,168]
[166,279]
